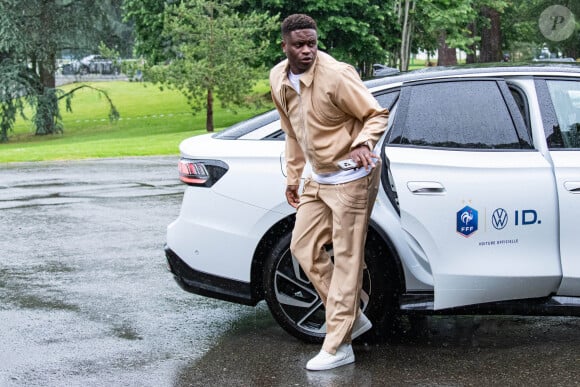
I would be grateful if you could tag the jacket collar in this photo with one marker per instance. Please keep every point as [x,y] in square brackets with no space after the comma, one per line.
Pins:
[307,77]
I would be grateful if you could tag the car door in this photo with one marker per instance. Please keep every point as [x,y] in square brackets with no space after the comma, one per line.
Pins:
[560,105]
[477,201]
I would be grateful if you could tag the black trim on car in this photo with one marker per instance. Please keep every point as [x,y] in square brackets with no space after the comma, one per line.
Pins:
[208,285]
[393,256]
[422,303]
[521,100]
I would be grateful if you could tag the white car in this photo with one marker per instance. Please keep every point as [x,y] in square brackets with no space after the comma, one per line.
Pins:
[479,198]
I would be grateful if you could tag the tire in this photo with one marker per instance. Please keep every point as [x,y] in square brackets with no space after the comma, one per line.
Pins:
[298,309]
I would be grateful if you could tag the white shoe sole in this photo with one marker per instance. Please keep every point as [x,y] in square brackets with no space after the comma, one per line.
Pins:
[329,366]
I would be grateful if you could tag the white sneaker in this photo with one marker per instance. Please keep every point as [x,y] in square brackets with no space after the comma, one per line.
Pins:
[325,361]
[361,325]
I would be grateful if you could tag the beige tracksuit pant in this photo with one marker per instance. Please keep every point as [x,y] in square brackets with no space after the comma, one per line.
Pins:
[336,214]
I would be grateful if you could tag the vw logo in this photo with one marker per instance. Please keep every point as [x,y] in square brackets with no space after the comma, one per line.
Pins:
[499,219]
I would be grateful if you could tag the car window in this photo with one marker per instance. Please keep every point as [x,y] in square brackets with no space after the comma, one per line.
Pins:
[565,96]
[465,114]
[387,100]
[242,128]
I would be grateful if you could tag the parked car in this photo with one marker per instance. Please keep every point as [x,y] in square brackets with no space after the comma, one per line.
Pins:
[91,64]
[553,59]
[380,70]
[476,213]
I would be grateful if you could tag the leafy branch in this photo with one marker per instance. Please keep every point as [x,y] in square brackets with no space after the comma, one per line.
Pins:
[68,96]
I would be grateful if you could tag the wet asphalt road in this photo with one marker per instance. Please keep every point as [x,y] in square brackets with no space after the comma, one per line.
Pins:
[85,300]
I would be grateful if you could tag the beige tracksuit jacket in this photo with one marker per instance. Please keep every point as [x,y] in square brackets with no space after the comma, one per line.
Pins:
[333,113]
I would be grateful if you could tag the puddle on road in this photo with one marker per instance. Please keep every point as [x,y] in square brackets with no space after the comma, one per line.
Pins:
[434,351]
[35,287]
[124,330]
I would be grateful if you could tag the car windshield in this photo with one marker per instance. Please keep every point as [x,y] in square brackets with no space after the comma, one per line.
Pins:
[242,128]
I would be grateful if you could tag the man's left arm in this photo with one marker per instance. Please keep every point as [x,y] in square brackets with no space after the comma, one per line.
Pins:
[356,100]
[353,97]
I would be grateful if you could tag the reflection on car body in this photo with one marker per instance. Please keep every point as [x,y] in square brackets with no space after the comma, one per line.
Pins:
[479,198]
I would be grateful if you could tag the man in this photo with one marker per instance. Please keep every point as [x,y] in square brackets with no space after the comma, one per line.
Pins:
[328,115]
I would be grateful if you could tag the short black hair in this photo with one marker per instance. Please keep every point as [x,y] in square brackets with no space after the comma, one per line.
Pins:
[297,21]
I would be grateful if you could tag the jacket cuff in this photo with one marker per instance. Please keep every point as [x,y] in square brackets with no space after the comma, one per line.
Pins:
[368,143]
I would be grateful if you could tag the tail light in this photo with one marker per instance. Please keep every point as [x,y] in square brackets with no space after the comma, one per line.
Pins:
[201,173]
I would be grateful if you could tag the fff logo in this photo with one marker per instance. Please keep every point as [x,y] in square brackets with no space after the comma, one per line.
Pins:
[467,222]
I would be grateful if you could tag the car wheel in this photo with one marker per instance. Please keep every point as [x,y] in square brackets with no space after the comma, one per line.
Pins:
[298,309]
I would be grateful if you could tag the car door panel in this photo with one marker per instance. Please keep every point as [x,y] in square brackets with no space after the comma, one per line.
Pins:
[484,263]
[561,117]
[485,218]
[567,169]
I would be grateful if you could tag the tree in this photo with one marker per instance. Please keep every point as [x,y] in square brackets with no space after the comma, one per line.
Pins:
[147,19]
[351,31]
[405,17]
[33,33]
[486,28]
[448,21]
[116,34]
[16,84]
[448,25]
[434,25]
[359,32]
[212,54]
[491,36]
[521,32]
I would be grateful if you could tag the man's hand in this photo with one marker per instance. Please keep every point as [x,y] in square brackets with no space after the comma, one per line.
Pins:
[292,195]
[363,156]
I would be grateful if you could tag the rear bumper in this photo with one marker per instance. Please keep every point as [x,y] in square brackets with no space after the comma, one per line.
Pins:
[208,285]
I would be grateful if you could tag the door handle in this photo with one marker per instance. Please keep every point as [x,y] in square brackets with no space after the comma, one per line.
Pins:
[426,187]
[573,186]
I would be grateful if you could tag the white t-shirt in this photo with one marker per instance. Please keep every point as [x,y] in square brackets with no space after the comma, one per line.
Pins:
[294,80]
[341,177]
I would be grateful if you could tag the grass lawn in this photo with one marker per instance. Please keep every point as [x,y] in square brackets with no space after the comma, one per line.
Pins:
[153,122]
